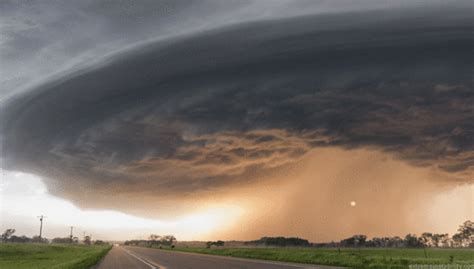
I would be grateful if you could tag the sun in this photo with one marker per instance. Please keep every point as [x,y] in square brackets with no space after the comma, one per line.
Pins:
[353,203]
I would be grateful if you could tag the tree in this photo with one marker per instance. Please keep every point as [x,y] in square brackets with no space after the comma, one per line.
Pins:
[61,240]
[19,239]
[360,240]
[457,240]
[168,240]
[87,240]
[154,238]
[444,240]
[467,228]
[466,233]
[280,241]
[438,239]
[38,239]
[354,241]
[216,243]
[7,234]
[426,239]
[412,241]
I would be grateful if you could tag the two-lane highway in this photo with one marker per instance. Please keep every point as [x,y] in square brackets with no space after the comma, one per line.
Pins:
[147,258]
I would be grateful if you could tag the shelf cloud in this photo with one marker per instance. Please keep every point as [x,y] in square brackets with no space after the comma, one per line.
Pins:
[222,107]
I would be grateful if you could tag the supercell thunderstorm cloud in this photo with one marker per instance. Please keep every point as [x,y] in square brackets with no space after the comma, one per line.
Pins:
[246,104]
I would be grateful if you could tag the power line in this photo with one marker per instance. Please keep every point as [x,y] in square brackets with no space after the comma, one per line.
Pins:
[70,236]
[41,226]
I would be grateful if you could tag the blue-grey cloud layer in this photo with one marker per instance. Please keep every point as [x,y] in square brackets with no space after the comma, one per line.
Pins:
[206,110]
[41,39]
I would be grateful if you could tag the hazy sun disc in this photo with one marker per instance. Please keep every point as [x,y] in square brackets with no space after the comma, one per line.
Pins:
[353,203]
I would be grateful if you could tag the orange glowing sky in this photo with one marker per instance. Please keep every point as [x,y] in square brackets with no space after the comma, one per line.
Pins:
[311,199]
[236,120]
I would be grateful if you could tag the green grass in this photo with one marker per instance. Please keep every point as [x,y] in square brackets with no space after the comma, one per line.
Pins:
[50,256]
[355,258]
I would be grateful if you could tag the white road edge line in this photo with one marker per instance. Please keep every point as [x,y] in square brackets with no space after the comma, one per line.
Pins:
[140,259]
[145,261]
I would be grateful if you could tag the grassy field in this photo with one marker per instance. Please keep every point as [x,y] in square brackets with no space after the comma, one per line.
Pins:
[355,258]
[32,256]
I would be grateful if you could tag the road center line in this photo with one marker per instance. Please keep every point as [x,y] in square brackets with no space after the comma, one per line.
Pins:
[145,261]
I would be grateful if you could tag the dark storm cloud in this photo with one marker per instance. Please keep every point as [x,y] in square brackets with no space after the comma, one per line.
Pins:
[210,109]
[44,39]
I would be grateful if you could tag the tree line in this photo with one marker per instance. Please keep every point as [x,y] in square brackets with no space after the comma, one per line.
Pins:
[464,238]
[153,241]
[9,237]
[280,242]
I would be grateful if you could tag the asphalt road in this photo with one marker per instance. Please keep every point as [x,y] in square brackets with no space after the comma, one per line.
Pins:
[146,258]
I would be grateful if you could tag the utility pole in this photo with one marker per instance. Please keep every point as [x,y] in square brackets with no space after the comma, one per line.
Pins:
[70,236]
[41,226]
